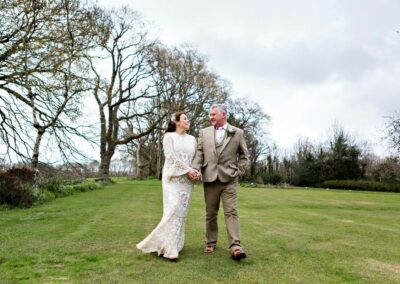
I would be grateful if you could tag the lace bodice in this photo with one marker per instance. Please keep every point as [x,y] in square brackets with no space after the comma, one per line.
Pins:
[179,151]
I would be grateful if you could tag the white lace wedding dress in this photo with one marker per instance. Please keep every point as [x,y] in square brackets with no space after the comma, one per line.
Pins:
[168,237]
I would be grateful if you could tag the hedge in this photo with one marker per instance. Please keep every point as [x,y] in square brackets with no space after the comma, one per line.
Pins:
[363,185]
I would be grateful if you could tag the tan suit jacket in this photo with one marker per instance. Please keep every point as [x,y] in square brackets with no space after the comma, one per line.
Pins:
[227,163]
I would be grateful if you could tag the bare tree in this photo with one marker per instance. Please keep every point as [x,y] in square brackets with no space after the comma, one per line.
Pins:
[41,73]
[185,83]
[249,116]
[392,132]
[125,97]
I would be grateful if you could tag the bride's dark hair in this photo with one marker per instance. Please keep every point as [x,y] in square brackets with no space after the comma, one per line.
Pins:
[173,120]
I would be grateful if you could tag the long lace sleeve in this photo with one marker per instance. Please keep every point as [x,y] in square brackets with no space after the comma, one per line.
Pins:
[174,166]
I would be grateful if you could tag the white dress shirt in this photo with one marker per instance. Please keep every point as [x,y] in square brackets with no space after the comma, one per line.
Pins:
[219,133]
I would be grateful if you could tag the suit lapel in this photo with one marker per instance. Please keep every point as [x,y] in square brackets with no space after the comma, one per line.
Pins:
[227,139]
[211,134]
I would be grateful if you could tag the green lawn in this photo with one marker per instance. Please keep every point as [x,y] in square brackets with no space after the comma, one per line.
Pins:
[290,235]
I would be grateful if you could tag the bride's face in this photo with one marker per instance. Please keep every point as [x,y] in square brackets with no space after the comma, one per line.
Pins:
[183,122]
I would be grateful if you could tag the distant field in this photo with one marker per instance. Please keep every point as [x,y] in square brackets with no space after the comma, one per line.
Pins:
[290,235]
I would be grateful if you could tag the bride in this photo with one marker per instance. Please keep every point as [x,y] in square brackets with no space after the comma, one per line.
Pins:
[168,237]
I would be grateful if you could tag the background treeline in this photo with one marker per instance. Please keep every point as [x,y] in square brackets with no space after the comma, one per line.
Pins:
[76,79]
[340,162]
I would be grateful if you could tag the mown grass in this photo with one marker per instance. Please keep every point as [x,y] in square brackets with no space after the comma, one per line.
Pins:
[290,235]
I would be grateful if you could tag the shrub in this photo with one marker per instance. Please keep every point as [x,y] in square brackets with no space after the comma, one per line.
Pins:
[81,187]
[73,181]
[274,178]
[25,175]
[365,185]
[65,191]
[16,194]
[17,187]
[45,196]
[86,186]
[52,184]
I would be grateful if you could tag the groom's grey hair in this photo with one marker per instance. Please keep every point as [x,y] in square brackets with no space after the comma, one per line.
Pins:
[220,107]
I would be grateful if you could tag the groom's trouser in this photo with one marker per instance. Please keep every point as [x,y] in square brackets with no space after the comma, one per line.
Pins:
[227,192]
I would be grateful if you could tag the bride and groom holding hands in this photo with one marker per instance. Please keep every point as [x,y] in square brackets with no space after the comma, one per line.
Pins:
[218,158]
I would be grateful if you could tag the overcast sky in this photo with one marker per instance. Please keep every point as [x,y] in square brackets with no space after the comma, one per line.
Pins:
[308,63]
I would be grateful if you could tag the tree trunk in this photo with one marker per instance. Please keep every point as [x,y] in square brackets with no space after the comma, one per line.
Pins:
[253,167]
[105,162]
[35,154]
[104,169]
[139,165]
[270,165]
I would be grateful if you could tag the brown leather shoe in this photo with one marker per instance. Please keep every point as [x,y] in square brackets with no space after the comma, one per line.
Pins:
[238,254]
[209,248]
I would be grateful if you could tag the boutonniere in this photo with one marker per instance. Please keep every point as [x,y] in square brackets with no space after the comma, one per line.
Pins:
[231,131]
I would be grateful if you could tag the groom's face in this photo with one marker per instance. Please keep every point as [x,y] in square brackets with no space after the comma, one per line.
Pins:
[217,117]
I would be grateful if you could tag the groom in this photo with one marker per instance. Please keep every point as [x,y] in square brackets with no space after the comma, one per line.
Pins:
[221,157]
